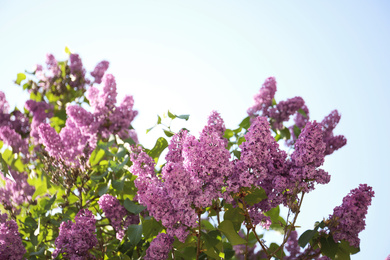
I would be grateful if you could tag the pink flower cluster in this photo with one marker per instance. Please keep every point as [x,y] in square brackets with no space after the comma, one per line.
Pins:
[14,127]
[348,220]
[280,112]
[76,239]
[159,248]
[83,128]
[15,192]
[119,217]
[11,246]
[192,178]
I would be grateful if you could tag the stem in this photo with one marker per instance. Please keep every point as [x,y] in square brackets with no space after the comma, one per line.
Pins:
[249,221]
[291,227]
[246,245]
[199,228]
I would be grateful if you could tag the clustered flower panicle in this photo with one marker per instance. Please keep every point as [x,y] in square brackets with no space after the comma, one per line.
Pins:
[15,192]
[11,246]
[76,239]
[119,217]
[159,248]
[348,220]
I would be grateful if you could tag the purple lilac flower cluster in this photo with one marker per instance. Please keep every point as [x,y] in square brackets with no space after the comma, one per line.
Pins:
[263,99]
[332,142]
[83,128]
[348,220]
[15,192]
[119,217]
[11,246]
[308,155]
[192,178]
[40,111]
[283,110]
[13,127]
[160,247]
[279,113]
[76,239]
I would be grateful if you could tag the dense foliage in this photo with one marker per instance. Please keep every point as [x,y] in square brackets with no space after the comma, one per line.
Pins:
[76,184]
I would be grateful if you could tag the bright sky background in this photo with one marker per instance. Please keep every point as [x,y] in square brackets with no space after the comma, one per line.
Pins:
[195,56]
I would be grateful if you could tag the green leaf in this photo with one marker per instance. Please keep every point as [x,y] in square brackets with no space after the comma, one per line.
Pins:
[151,228]
[39,252]
[20,77]
[285,133]
[168,133]
[103,188]
[348,248]
[245,123]
[67,51]
[302,112]
[4,166]
[118,185]
[40,190]
[235,215]
[171,115]
[228,133]
[241,140]
[329,247]
[255,196]
[185,117]
[237,154]
[273,102]
[96,156]
[148,130]
[158,148]
[96,177]
[134,233]
[297,131]
[227,228]
[50,202]
[132,207]
[273,247]
[158,119]
[306,237]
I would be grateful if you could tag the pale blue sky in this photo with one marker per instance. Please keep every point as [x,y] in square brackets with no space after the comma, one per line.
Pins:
[196,56]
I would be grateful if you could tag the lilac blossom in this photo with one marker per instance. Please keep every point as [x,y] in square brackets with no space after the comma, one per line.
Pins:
[283,111]
[348,220]
[332,142]
[308,155]
[13,139]
[15,192]
[77,72]
[76,239]
[11,246]
[41,111]
[15,120]
[119,217]
[99,71]
[52,65]
[263,100]
[160,247]
[262,164]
